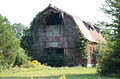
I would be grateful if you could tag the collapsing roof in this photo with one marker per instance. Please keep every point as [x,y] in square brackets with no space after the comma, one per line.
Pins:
[89,31]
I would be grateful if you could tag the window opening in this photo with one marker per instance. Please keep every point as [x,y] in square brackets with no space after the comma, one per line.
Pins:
[53,18]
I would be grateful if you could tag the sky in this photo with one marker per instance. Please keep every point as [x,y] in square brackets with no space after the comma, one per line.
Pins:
[23,11]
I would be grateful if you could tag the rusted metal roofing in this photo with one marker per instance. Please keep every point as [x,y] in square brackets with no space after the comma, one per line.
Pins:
[90,34]
[83,29]
[97,36]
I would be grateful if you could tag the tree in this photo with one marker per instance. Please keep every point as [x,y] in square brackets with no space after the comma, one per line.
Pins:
[27,42]
[9,44]
[111,63]
[18,29]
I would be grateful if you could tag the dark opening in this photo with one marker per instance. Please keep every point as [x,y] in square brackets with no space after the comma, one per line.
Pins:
[53,19]
[97,29]
[88,26]
[55,50]
[54,57]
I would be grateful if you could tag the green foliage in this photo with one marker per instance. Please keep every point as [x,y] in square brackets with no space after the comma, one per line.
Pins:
[18,29]
[27,42]
[27,39]
[104,54]
[37,20]
[103,51]
[9,44]
[107,34]
[81,46]
[111,63]
[80,49]
[21,57]
[53,59]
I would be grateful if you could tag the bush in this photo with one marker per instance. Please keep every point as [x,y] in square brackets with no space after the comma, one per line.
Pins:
[109,62]
[109,65]
[21,57]
[33,63]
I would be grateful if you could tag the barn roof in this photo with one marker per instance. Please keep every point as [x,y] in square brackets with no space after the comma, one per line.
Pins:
[90,34]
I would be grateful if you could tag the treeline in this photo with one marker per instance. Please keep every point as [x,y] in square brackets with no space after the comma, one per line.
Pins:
[109,63]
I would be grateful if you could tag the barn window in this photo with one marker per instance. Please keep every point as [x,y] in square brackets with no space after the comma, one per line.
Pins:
[53,18]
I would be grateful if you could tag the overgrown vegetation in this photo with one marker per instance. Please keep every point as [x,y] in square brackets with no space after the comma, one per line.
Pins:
[81,47]
[27,42]
[54,60]
[110,63]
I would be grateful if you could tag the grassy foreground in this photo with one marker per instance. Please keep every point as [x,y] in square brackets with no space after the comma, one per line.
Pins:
[51,73]
[28,72]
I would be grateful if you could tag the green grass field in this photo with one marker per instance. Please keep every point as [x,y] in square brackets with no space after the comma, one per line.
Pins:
[52,73]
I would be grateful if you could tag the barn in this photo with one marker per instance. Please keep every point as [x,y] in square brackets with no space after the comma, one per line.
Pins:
[57,31]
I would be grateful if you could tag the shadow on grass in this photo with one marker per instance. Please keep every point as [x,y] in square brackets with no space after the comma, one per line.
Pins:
[81,76]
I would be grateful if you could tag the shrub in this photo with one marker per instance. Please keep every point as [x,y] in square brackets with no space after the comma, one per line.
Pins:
[21,57]
[107,63]
[33,63]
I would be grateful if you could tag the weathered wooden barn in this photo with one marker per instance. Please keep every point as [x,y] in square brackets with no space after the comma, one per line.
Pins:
[57,31]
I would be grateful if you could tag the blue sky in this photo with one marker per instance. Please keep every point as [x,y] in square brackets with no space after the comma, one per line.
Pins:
[23,11]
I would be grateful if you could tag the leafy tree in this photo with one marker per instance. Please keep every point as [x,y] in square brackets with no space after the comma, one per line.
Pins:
[27,42]
[9,44]
[18,28]
[111,63]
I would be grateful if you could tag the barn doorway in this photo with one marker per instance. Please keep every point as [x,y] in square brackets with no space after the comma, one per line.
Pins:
[55,57]
[54,50]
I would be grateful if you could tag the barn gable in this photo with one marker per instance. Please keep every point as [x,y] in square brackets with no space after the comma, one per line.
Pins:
[55,16]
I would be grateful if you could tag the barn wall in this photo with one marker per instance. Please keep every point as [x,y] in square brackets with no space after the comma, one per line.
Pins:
[71,36]
[54,36]
[91,60]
